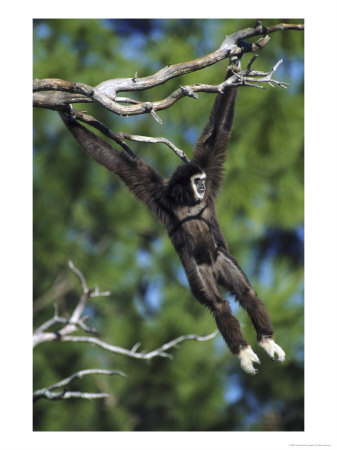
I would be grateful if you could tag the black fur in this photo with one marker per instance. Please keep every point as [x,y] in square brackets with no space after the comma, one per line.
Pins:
[192,225]
[179,187]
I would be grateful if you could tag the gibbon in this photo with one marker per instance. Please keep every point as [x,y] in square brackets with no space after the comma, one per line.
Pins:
[185,205]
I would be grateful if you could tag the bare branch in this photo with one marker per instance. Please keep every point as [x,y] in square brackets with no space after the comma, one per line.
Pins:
[48,394]
[63,395]
[80,276]
[154,140]
[238,79]
[75,321]
[57,100]
[234,44]
[49,323]
[119,137]
[105,93]
[161,351]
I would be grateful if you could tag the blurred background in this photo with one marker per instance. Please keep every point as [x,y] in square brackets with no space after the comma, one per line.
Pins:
[83,212]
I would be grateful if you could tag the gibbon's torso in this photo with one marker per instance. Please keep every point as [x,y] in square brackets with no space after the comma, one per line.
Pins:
[195,232]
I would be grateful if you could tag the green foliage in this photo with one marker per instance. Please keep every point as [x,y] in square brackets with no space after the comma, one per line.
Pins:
[82,212]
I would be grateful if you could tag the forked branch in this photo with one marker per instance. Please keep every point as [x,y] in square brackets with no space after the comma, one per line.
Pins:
[246,77]
[77,321]
[48,100]
[61,93]
[57,94]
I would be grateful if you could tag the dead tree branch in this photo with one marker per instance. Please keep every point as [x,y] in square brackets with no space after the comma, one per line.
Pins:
[76,322]
[246,77]
[133,353]
[58,94]
[48,393]
[120,137]
[53,100]
[154,140]
[105,93]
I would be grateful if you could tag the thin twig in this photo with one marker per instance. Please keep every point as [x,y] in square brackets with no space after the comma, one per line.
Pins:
[154,140]
[80,276]
[119,137]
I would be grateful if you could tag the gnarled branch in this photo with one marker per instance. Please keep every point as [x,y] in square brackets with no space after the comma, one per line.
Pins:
[57,94]
[233,45]
[61,93]
[241,78]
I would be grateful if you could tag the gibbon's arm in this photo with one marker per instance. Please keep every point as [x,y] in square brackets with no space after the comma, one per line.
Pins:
[210,149]
[144,182]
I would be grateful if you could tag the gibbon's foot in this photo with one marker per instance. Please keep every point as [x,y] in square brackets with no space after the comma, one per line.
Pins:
[247,357]
[271,348]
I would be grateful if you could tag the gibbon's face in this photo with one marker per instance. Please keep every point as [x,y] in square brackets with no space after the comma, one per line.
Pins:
[198,185]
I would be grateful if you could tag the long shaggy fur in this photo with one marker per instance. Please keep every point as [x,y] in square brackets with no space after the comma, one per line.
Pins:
[192,224]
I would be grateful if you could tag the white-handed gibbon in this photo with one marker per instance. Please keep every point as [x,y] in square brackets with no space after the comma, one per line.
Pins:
[185,205]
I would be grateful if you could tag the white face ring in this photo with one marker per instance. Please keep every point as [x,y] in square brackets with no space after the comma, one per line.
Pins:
[198,185]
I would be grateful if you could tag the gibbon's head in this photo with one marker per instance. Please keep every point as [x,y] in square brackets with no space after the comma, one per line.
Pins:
[187,185]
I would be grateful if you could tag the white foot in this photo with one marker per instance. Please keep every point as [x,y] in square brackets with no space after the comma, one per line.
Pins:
[247,357]
[271,348]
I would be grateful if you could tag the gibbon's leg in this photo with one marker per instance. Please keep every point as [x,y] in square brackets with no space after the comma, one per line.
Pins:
[236,282]
[205,289]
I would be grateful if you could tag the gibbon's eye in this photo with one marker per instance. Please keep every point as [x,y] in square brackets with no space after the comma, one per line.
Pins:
[196,180]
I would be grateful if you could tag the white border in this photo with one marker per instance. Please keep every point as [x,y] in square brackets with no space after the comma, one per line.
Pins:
[321,226]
